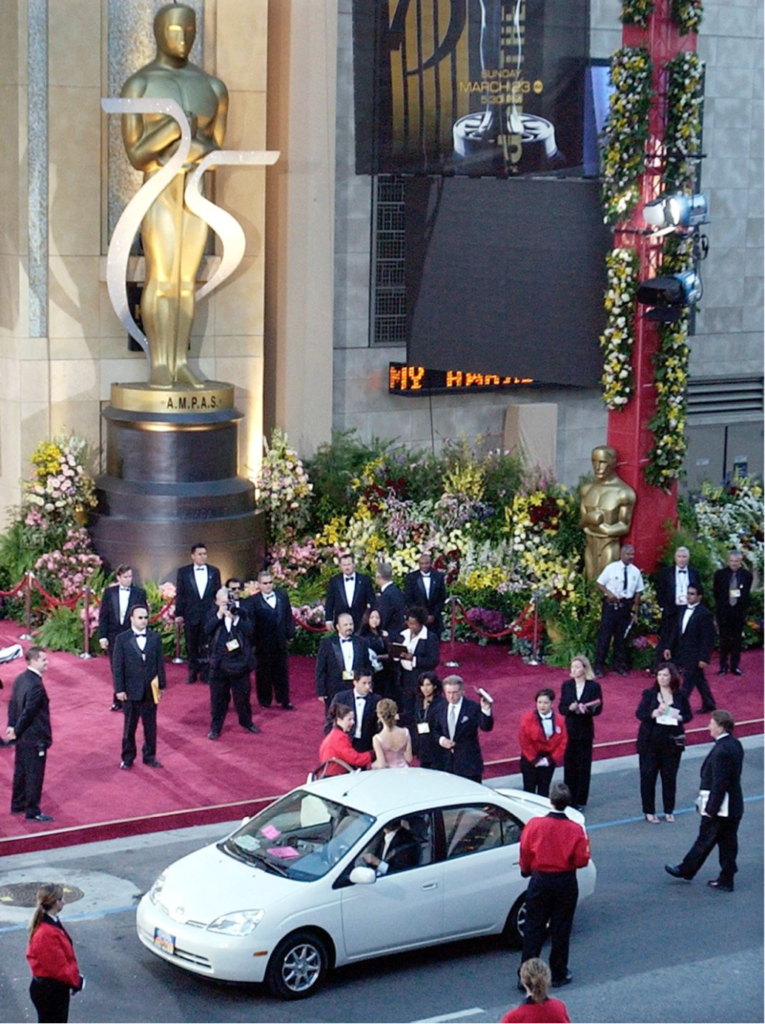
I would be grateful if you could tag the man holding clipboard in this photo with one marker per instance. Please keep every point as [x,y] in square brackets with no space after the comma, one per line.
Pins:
[720,804]
[139,675]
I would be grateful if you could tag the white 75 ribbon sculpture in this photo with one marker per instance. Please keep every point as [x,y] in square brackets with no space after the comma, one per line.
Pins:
[228,229]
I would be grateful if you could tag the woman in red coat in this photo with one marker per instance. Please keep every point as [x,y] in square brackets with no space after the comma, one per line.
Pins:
[337,742]
[542,737]
[55,974]
[538,1008]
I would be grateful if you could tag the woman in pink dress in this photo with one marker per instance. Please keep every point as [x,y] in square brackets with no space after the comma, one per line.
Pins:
[392,745]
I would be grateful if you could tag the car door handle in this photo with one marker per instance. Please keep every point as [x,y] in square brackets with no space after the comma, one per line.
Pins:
[429,885]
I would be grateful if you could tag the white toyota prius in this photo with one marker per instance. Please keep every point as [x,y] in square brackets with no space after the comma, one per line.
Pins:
[343,869]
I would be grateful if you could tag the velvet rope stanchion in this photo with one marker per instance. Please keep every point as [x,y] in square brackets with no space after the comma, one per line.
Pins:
[28,577]
[14,590]
[452,663]
[86,655]
[306,625]
[177,660]
[534,659]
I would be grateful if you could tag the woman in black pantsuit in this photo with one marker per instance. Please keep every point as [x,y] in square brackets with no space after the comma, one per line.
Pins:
[663,711]
[581,699]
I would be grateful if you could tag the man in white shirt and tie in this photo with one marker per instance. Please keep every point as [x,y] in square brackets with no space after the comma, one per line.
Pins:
[456,727]
[338,658]
[196,587]
[364,704]
[672,595]
[117,602]
[426,587]
[349,591]
[139,667]
[621,584]
[691,646]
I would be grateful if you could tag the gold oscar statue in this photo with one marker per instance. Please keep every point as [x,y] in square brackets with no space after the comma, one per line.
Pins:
[606,507]
[173,237]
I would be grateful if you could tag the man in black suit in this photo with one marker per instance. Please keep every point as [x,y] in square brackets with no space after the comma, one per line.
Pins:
[349,591]
[394,849]
[426,588]
[672,594]
[364,704]
[339,657]
[117,602]
[229,635]
[691,646]
[732,588]
[270,612]
[455,727]
[390,604]
[196,587]
[138,667]
[723,808]
[29,728]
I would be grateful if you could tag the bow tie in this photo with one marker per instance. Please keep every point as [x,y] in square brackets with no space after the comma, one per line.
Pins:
[348,579]
[682,570]
[426,575]
[139,634]
[124,590]
[545,718]
[200,568]
[346,640]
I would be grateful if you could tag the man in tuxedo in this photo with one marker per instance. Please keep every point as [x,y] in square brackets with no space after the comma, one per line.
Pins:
[339,657]
[691,646]
[117,602]
[349,591]
[722,812]
[394,849]
[29,728]
[138,667]
[621,584]
[270,612]
[390,604]
[196,587]
[426,588]
[732,588]
[229,636]
[364,704]
[456,726]
[672,594]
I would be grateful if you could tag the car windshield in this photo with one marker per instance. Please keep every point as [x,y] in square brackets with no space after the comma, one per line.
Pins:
[302,836]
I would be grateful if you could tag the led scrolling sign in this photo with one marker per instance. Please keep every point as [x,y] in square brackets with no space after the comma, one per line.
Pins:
[413,380]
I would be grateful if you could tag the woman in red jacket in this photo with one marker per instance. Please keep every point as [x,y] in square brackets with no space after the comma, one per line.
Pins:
[538,1008]
[542,737]
[337,743]
[55,974]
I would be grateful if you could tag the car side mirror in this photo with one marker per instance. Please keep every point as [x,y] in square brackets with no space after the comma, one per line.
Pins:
[363,876]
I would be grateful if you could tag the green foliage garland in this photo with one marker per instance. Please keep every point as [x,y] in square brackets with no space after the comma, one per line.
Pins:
[618,337]
[687,14]
[626,131]
[683,135]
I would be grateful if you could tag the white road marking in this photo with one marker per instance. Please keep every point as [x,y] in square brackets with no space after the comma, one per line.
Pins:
[459,1015]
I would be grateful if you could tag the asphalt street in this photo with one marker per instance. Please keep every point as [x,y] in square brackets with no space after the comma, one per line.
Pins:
[645,947]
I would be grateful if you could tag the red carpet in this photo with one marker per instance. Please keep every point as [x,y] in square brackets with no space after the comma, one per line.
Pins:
[203,781]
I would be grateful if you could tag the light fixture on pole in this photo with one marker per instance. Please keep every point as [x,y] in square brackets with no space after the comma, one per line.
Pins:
[671,212]
[670,296]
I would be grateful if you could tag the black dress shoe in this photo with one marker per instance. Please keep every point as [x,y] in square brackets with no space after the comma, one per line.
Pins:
[191,678]
[288,706]
[116,706]
[737,672]
[251,728]
[126,765]
[622,672]
[213,734]
[674,870]
[598,673]
[152,762]
[39,817]
[567,978]
[715,883]
[707,709]
[722,671]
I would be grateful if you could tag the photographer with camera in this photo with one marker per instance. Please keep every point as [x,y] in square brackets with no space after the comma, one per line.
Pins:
[231,661]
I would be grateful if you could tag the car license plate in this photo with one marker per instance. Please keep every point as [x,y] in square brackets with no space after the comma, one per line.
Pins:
[164,941]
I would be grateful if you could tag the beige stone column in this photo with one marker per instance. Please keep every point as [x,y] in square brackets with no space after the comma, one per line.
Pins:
[300,219]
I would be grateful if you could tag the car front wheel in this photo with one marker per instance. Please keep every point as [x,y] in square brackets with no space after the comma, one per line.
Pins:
[298,966]
[512,933]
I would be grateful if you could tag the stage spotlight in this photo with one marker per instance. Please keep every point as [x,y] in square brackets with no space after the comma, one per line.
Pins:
[677,211]
[670,296]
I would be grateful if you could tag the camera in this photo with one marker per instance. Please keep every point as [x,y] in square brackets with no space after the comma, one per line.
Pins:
[233,598]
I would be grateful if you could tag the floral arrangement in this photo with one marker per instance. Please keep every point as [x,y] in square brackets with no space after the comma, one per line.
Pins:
[283,489]
[682,140]
[687,14]
[618,337]
[637,12]
[666,457]
[731,517]
[64,572]
[626,131]
[61,490]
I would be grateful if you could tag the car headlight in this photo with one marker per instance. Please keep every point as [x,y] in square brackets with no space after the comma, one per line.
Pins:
[156,889]
[241,922]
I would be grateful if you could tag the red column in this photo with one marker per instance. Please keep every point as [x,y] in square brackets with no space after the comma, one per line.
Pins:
[628,430]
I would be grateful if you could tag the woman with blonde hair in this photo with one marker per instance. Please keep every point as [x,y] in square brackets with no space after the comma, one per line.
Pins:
[581,699]
[50,953]
[538,1007]
[392,745]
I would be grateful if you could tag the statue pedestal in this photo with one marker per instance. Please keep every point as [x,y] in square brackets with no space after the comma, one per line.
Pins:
[171,481]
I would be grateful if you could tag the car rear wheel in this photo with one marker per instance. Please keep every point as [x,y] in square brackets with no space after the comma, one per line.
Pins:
[512,933]
[298,966]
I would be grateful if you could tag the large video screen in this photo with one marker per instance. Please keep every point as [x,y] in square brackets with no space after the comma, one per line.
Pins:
[476,87]
[506,277]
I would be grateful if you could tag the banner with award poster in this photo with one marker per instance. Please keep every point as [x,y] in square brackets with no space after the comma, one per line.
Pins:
[477,87]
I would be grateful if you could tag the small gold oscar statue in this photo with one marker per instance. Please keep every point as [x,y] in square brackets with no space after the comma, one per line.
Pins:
[606,507]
